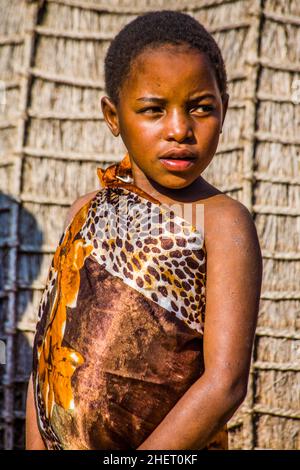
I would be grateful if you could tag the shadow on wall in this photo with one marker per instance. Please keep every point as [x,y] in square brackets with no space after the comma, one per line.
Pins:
[18,315]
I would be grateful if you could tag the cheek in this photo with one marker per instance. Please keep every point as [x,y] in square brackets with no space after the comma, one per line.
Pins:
[208,132]
[139,144]
[136,128]
[143,136]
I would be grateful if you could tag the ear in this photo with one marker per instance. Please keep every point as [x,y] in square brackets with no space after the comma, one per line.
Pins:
[110,114]
[225,100]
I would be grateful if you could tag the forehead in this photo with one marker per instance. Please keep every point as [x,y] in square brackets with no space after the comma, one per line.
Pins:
[171,69]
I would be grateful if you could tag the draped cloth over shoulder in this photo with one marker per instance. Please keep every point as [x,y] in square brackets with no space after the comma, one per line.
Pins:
[120,175]
[119,337]
[116,172]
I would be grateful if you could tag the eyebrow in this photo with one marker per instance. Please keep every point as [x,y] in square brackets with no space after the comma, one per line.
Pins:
[154,99]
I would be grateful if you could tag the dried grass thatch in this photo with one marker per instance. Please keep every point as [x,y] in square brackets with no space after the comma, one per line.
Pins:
[53,137]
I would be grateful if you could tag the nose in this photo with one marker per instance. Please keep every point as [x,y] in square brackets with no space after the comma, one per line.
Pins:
[178,126]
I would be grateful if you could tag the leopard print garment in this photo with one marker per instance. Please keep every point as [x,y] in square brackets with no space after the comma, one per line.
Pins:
[119,337]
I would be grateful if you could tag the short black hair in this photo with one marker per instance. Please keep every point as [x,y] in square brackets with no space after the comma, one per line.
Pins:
[157,28]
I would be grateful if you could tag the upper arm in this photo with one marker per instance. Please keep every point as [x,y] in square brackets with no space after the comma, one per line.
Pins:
[234,276]
[34,439]
[76,206]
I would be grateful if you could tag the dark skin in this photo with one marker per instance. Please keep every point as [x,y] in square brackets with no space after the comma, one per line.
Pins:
[176,74]
[149,128]
[190,116]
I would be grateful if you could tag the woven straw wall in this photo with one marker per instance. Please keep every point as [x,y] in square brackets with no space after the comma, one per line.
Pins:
[52,137]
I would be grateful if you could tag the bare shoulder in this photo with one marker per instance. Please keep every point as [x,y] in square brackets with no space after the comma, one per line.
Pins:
[227,219]
[223,215]
[77,204]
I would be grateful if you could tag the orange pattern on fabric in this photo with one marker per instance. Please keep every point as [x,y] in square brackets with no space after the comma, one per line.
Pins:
[110,174]
[123,169]
[57,363]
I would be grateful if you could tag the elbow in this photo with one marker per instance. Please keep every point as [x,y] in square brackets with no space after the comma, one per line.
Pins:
[230,399]
[235,393]
[239,397]
[231,391]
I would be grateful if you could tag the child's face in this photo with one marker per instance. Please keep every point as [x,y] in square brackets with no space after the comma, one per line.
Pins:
[176,75]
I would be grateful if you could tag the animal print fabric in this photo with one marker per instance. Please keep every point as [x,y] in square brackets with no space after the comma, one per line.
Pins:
[119,337]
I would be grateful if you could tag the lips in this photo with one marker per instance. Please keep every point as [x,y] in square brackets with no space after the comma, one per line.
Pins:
[177,160]
[175,154]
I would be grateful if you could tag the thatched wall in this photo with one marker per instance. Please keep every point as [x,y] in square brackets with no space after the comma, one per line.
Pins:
[53,137]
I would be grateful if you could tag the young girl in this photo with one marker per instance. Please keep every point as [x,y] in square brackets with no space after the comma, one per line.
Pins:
[146,324]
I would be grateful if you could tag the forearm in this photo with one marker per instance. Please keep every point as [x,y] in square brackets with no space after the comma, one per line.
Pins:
[199,414]
[34,440]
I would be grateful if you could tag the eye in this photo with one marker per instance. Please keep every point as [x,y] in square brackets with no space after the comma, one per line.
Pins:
[151,110]
[206,107]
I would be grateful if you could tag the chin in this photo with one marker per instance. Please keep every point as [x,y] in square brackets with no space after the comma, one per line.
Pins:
[179,184]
